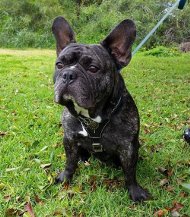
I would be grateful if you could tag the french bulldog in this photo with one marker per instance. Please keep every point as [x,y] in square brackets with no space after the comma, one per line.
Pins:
[100,116]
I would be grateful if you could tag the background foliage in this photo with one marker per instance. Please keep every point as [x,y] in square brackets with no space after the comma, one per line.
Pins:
[28,23]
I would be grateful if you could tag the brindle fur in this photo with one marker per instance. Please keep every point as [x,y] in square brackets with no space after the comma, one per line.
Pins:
[96,93]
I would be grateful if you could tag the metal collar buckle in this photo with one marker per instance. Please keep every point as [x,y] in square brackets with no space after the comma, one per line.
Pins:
[97,147]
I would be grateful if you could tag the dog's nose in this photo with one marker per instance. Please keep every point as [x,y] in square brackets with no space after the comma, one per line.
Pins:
[69,77]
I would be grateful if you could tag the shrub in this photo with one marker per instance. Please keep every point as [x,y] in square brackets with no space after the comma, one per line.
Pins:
[28,23]
[161,51]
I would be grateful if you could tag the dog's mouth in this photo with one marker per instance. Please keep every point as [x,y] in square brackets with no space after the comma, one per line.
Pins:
[81,107]
[64,98]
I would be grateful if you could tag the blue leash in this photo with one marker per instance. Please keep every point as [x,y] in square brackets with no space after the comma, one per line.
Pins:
[180,4]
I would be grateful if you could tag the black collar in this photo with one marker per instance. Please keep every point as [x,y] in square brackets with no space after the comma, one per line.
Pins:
[95,129]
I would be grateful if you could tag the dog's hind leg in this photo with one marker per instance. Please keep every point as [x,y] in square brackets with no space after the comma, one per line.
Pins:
[128,158]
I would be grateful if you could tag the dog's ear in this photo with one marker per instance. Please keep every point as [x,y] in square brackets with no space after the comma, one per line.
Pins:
[119,42]
[63,33]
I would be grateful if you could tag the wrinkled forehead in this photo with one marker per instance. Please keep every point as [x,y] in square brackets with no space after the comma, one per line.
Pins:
[97,52]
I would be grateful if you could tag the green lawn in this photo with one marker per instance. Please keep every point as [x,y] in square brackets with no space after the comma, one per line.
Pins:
[31,151]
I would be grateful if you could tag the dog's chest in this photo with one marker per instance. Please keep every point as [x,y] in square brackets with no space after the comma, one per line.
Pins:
[98,141]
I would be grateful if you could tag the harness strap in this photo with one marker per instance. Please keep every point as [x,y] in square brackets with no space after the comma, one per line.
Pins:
[95,129]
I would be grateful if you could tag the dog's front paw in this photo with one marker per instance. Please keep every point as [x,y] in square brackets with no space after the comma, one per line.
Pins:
[63,177]
[138,194]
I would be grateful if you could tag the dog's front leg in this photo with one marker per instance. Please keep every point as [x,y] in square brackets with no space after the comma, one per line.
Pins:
[128,158]
[72,157]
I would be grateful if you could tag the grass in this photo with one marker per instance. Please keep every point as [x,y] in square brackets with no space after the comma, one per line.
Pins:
[31,151]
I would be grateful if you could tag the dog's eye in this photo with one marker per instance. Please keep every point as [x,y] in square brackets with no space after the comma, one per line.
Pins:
[59,65]
[93,69]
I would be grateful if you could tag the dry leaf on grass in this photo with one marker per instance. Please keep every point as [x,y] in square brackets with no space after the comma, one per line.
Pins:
[29,209]
[45,166]
[164,182]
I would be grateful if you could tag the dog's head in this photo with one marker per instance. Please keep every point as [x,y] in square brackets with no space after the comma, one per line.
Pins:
[87,74]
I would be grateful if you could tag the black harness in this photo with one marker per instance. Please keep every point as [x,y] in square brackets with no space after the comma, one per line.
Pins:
[95,129]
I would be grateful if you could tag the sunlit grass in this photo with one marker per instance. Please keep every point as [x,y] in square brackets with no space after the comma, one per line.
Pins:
[31,136]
